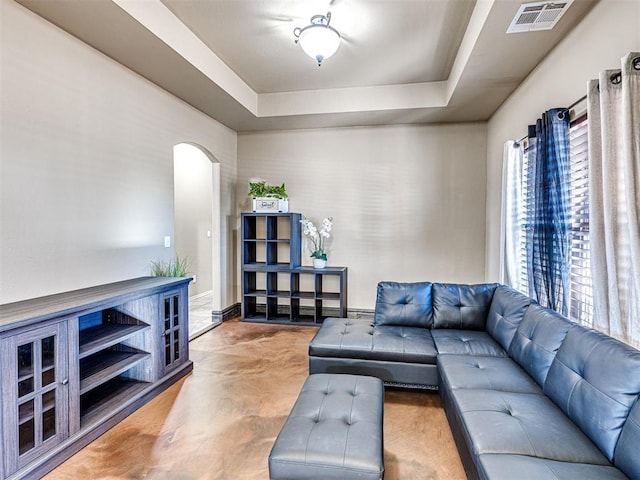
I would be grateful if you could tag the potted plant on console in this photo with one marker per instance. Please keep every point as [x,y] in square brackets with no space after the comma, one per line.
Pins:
[318,239]
[268,198]
[172,268]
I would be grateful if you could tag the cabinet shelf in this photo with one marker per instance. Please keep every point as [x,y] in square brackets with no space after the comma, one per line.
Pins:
[96,338]
[279,294]
[103,400]
[24,373]
[303,295]
[317,296]
[103,366]
[25,410]
[266,267]
[265,294]
[328,296]
[267,240]
[255,318]
[256,293]
[324,271]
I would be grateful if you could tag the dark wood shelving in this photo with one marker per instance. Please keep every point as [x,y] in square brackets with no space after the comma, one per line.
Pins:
[77,363]
[108,397]
[256,293]
[328,296]
[105,365]
[102,336]
[305,321]
[266,267]
[279,294]
[303,295]
[267,298]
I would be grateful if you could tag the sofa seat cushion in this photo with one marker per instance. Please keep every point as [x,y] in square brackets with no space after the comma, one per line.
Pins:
[360,339]
[595,380]
[626,456]
[521,424]
[466,342]
[463,307]
[491,373]
[509,467]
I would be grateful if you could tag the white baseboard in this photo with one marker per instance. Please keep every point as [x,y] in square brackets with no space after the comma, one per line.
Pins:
[200,295]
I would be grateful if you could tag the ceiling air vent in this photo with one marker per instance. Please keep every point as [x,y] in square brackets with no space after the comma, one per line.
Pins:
[538,16]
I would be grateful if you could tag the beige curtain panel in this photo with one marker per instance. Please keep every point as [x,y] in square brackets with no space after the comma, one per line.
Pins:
[613,109]
[511,267]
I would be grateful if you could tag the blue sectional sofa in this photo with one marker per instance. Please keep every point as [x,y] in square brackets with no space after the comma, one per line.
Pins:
[528,393]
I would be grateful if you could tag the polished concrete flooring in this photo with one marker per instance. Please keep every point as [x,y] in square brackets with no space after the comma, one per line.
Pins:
[221,421]
[200,319]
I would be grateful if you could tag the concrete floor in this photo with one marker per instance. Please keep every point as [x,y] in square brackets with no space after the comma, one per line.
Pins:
[221,421]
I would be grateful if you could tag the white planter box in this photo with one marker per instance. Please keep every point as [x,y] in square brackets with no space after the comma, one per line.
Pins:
[270,205]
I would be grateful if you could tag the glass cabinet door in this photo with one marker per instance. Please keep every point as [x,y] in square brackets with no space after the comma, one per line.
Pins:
[174,334]
[35,414]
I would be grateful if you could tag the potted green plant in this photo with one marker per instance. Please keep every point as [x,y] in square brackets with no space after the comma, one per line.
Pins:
[268,198]
[173,268]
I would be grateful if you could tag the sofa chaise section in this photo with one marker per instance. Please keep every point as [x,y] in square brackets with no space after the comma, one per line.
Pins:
[562,422]
[395,354]
[524,467]
[396,347]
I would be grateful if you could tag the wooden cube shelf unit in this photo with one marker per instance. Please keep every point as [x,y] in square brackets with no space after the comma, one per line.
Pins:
[275,287]
[271,240]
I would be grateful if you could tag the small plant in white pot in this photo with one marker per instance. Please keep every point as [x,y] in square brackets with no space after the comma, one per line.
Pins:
[318,238]
[268,198]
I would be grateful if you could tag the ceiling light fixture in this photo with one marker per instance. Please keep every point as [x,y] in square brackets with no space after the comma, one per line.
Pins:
[318,40]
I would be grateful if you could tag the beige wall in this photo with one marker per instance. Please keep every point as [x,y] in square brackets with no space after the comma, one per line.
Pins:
[86,164]
[408,201]
[86,168]
[608,32]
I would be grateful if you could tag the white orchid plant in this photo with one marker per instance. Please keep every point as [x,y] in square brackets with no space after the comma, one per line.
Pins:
[317,237]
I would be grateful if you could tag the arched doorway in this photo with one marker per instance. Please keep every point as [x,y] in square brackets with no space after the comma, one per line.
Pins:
[197,229]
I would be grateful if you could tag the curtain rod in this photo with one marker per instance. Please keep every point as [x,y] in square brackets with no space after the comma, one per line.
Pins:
[581,99]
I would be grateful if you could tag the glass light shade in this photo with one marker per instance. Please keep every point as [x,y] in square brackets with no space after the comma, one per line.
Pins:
[319,41]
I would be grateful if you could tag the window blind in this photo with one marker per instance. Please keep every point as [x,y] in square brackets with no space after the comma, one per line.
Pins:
[527,206]
[581,297]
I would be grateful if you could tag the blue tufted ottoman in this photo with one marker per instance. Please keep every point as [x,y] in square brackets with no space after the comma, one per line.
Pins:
[334,431]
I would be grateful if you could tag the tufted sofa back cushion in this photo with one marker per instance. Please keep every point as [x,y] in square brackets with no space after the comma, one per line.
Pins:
[595,380]
[403,304]
[463,307]
[626,456]
[505,314]
[537,340]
